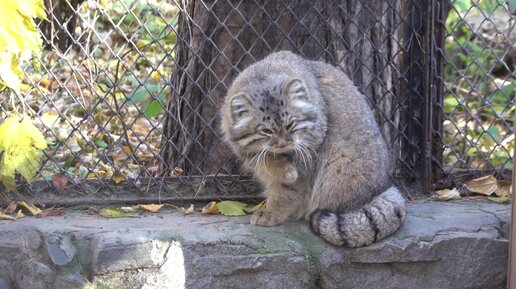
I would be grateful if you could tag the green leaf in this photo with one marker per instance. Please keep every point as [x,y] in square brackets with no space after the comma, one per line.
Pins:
[251,209]
[499,200]
[140,95]
[231,208]
[494,132]
[153,109]
[450,102]
[101,143]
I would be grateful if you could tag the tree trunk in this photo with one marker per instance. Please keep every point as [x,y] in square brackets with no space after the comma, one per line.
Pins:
[217,39]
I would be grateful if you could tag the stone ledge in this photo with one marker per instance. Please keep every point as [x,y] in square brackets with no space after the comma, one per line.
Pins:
[441,245]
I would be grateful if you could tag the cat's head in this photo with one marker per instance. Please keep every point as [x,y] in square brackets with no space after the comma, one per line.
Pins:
[284,117]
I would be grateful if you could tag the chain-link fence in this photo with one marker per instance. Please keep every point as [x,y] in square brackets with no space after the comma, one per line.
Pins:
[127,91]
[474,133]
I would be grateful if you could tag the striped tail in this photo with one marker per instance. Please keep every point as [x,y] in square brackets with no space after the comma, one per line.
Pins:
[374,221]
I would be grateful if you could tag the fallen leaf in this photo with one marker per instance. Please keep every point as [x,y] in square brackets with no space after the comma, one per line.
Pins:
[52,212]
[118,177]
[127,150]
[210,209]
[114,213]
[188,211]
[153,208]
[255,208]
[449,195]
[504,188]
[231,208]
[485,185]
[500,200]
[60,181]
[176,172]
[442,192]
[32,209]
[6,217]
[130,209]
[20,214]
[10,208]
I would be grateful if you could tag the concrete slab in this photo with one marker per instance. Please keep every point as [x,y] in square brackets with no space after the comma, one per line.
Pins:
[441,245]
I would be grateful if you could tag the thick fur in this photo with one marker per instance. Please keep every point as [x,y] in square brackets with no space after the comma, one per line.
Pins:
[310,137]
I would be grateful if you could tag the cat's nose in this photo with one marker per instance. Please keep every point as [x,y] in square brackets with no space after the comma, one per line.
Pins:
[282,144]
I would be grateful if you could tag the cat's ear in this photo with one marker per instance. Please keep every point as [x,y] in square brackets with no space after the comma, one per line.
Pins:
[295,88]
[240,105]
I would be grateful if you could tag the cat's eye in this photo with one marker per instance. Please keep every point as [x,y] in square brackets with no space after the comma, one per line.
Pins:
[266,131]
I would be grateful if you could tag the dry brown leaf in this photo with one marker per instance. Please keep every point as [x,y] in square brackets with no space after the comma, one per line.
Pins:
[60,181]
[20,214]
[10,208]
[210,209]
[32,209]
[52,212]
[153,208]
[188,211]
[485,185]
[176,172]
[504,188]
[6,217]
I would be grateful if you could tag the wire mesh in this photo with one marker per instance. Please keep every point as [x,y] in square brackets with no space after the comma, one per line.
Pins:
[478,82]
[127,91]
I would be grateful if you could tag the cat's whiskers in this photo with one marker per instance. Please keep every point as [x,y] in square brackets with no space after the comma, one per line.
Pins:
[305,153]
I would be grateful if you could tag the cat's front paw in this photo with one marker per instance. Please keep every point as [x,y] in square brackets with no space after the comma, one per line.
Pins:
[266,218]
[290,175]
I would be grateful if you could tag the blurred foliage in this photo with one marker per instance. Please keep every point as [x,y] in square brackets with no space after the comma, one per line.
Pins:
[100,103]
[478,107]
[19,39]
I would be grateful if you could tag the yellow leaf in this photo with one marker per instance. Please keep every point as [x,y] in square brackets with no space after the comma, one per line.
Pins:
[485,185]
[19,38]
[19,214]
[31,208]
[153,208]
[114,213]
[6,217]
[118,178]
[105,172]
[127,150]
[50,119]
[188,211]
[504,188]
[210,208]
[19,143]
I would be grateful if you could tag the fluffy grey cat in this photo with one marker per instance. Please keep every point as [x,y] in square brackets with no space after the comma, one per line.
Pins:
[311,139]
